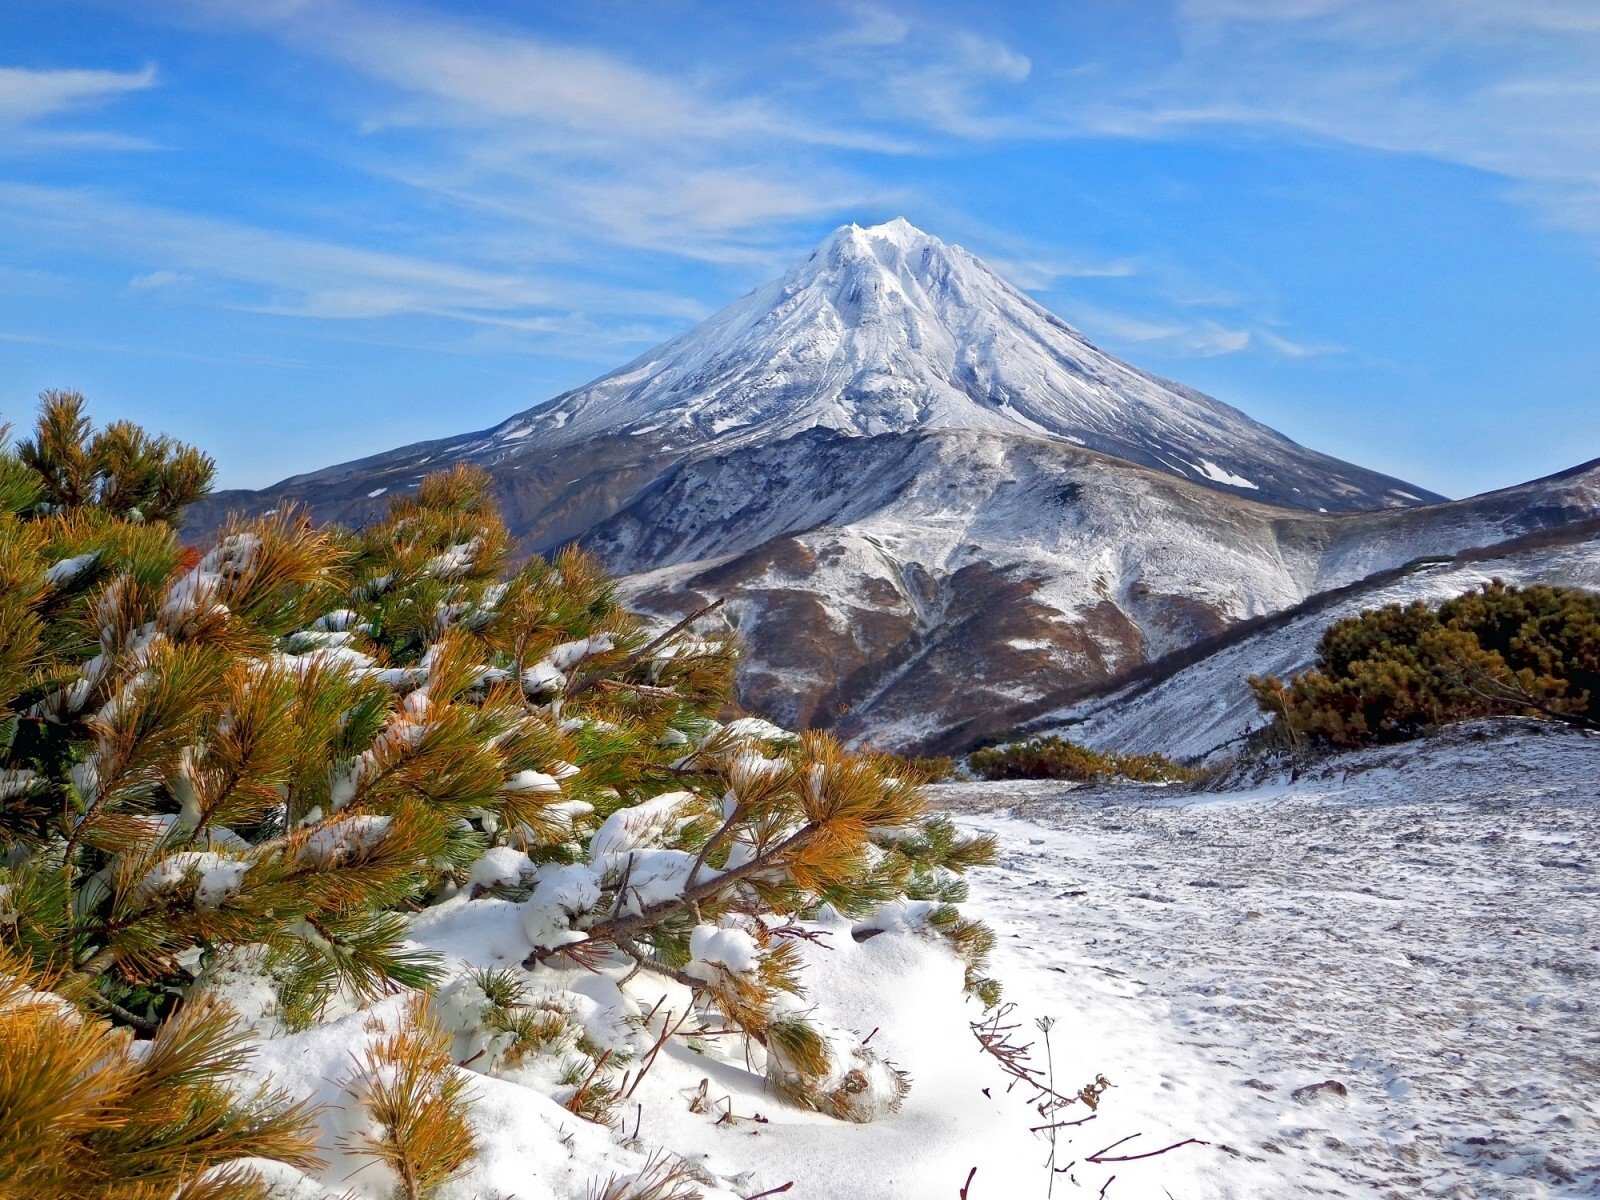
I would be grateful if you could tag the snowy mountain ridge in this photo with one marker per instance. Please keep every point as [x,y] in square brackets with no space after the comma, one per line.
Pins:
[898,588]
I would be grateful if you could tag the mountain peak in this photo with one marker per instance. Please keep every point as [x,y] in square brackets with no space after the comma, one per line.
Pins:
[886,329]
[895,227]
[896,230]
[895,247]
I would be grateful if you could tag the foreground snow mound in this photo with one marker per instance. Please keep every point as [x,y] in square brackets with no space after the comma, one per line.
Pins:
[705,1102]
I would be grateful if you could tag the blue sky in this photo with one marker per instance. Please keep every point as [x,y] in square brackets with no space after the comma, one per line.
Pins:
[296,232]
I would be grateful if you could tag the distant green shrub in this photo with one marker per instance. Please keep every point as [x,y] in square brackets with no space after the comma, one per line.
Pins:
[1056,758]
[924,768]
[1394,672]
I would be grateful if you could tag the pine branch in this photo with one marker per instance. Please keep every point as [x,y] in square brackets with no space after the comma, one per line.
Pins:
[654,914]
[594,679]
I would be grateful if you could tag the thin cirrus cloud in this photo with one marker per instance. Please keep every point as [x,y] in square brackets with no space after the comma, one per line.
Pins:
[262,270]
[1039,273]
[32,101]
[1505,88]
[154,281]
[566,139]
[1508,89]
[574,142]
[29,95]
[1202,338]
[578,97]
[562,156]
[952,81]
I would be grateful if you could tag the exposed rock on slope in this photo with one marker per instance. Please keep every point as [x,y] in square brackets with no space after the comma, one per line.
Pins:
[945,582]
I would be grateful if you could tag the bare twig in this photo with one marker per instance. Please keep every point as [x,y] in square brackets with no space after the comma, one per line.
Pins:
[817,937]
[1100,1156]
[1063,1124]
[994,1035]
[622,889]
[1095,1157]
[1045,1024]
[667,1030]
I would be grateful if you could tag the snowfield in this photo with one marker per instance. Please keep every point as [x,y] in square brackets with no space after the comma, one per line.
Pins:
[1417,925]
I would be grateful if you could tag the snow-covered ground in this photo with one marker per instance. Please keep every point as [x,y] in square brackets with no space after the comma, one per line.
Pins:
[1419,924]
[1380,980]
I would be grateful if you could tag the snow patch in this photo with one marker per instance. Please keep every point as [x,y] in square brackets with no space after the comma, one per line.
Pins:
[1221,475]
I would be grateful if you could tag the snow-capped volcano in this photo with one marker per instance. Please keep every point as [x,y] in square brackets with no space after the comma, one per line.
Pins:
[924,499]
[887,329]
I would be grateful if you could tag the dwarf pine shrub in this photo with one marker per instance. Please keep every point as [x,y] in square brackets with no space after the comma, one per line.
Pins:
[1053,757]
[925,768]
[263,754]
[84,1112]
[1394,672]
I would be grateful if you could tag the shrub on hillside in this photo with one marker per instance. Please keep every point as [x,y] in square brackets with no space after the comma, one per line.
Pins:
[1394,672]
[924,768]
[263,757]
[1054,757]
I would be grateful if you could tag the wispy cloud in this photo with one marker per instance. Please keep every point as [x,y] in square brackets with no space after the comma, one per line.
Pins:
[1204,338]
[478,72]
[146,350]
[29,95]
[269,271]
[1038,274]
[577,138]
[1507,89]
[31,98]
[949,79]
[869,25]
[152,281]
[1294,348]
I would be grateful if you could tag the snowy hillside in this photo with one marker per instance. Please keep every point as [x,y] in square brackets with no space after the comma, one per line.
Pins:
[908,591]
[1207,705]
